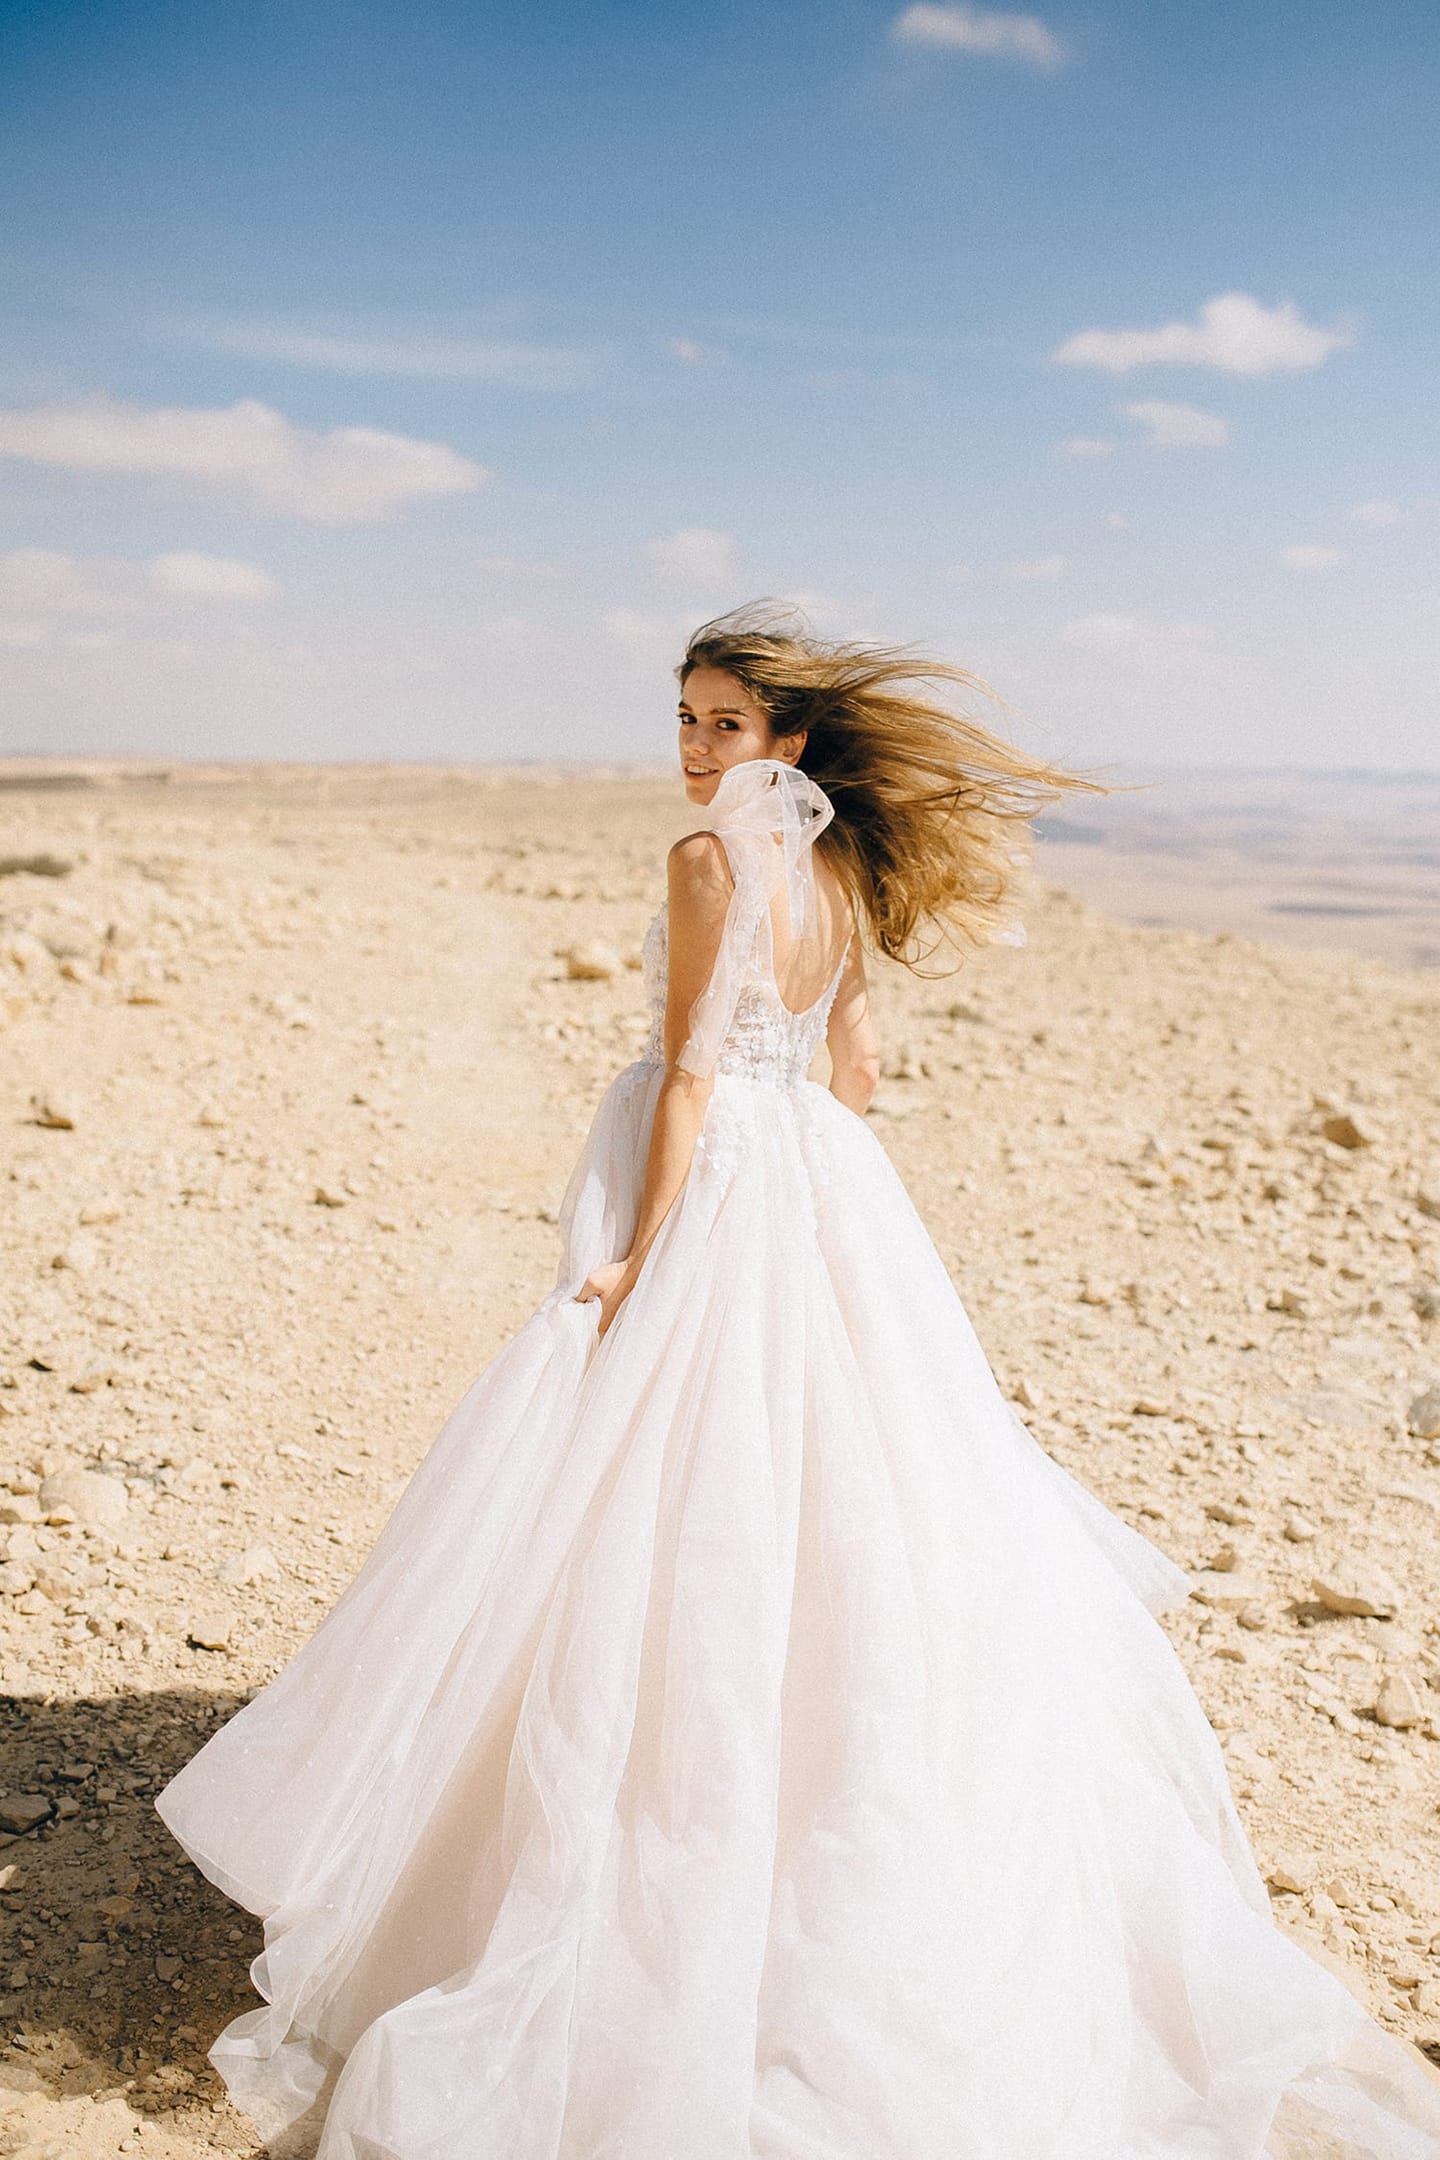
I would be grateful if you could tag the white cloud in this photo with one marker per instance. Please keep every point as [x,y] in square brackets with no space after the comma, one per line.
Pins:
[1086,446]
[1040,570]
[1306,556]
[41,587]
[696,556]
[1116,521]
[210,577]
[461,359]
[686,349]
[1381,512]
[1179,427]
[245,453]
[1135,638]
[1233,332]
[995,35]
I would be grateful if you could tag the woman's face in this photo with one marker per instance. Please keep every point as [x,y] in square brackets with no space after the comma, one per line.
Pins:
[720,726]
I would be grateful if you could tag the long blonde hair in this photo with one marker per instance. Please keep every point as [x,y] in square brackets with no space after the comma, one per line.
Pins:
[932,811]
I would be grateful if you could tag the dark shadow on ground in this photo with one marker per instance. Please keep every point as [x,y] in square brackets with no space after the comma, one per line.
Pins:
[120,1961]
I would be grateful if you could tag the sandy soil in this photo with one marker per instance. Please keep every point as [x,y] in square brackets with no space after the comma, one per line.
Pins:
[291,1076]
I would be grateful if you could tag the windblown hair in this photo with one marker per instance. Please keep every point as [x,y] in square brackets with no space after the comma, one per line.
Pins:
[931,831]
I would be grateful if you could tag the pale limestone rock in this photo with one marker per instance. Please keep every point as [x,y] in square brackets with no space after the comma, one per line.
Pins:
[1400,1702]
[1423,1415]
[210,1630]
[1224,1591]
[1361,1591]
[591,963]
[98,1501]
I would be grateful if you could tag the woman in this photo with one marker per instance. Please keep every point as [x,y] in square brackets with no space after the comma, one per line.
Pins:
[743,1742]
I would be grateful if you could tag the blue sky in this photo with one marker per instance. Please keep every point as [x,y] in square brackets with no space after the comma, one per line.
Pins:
[404,381]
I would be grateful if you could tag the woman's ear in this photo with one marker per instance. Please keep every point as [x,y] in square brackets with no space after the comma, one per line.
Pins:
[790,748]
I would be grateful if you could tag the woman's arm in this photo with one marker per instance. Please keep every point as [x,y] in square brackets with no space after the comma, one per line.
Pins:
[700,886]
[850,1037]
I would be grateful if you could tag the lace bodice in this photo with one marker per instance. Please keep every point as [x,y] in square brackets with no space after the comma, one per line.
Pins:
[765,1040]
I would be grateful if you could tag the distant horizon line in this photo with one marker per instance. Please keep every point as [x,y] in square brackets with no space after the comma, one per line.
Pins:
[639,768]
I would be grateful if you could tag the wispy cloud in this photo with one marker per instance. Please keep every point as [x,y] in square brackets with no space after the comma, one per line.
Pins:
[690,352]
[246,453]
[1138,638]
[1179,427]
[1086,446]
[1234,332]
[1038,570]
[1306,555]
[696,557]
[41,587]
[1382,512]
[516,364]
[992,34]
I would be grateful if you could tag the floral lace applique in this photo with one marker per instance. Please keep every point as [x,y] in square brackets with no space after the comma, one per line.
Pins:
[765,1041]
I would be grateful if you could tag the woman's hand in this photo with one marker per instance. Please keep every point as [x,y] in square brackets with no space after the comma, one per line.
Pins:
[611,1283]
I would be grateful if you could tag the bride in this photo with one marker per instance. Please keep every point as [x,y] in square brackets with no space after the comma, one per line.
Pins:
[743,1742]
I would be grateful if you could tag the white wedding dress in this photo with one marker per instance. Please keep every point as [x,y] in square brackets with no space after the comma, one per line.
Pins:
[743,1741]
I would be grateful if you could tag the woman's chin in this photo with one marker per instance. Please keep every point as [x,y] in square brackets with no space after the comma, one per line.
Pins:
[700,787]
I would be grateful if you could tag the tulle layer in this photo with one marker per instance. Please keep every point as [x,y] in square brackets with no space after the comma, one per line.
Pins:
[744,1743]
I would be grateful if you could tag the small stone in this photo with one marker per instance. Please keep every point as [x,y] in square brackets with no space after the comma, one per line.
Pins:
[1233,1513]
[42,865]
[591,963]
[1424,1415]
[17,1978]
[20,1812]
[1148,1406]
[1399,1702]
[93,1499]
[1425,1299]
[1224,1591]
[1343,1130]
[1288,1300]
[1369,1596]
[20,1508]
[324,1196]
[1299,1529]
[255,1562]
[167,1967]
[1427,1198]
[210,1630]
[1226,1560]
[16,1577]
[89,1383]
[54,1111]
[1292,1872]
[1028,1397]
[1097,1293]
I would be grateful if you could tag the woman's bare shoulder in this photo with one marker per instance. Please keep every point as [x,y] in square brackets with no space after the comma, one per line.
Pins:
[697,866]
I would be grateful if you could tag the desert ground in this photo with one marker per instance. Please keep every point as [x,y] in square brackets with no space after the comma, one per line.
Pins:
[293,1066]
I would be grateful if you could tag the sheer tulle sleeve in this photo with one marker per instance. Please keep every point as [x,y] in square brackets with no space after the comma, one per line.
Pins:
[768,815]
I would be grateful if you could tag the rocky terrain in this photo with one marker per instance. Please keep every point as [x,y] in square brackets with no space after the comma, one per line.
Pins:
[293,1065]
